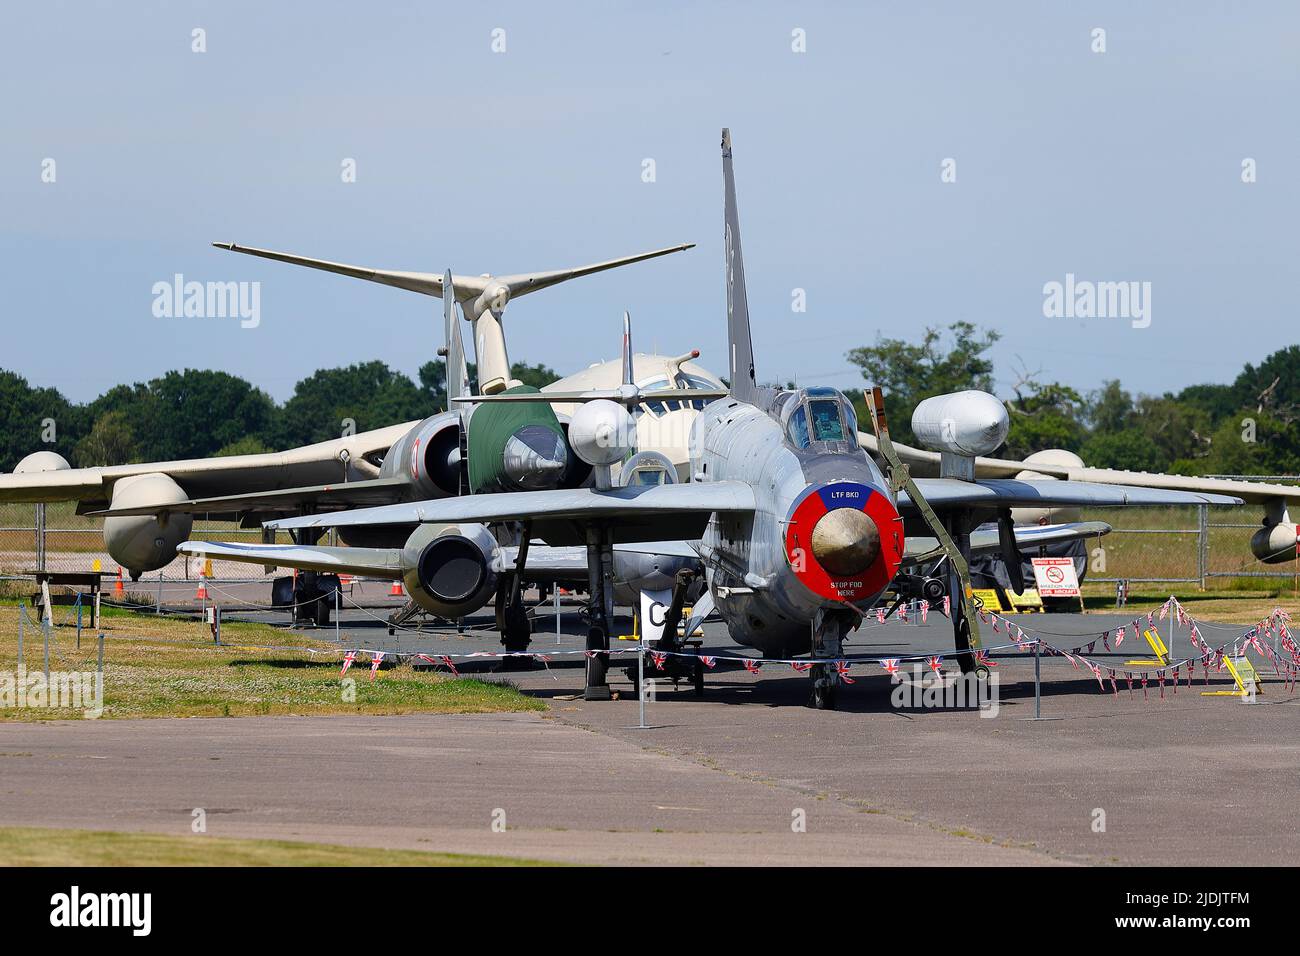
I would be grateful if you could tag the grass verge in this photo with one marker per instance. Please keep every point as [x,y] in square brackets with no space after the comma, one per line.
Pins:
[32,846]
[157,666]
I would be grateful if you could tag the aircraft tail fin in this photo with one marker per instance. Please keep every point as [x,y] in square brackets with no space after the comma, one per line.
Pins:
[457,370]
[481,292]
[744,385]
[627,349]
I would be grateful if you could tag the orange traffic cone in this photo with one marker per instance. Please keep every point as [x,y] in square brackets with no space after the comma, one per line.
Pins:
[202,593]
[117,588]
[396,589]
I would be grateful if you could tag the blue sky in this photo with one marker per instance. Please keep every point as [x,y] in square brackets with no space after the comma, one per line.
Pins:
[1124,165]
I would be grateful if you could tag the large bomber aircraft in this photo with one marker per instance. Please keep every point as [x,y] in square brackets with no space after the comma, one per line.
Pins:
[798,529]
[148,508]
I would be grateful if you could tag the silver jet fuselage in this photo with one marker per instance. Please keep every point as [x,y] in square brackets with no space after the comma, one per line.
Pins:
[825,535]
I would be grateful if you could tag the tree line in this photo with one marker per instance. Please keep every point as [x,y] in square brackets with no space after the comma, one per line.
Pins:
[197,413]
[1251,426]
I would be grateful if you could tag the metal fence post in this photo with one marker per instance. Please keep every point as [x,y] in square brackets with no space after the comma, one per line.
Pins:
[1203,544]
[40,536]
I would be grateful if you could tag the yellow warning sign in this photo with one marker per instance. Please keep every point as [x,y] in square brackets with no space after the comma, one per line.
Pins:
[1025,603]
[988,599]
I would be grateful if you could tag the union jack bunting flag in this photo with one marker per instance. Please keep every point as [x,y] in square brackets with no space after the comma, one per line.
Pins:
[1105,640]
[450,666]
[890,664]
[947,606]
[925,610]
[1096,672]
[936,663]
[752,665]
[880,615]
[801,666]
[1119,637]
[842,668]
[708,661]
[375,660]
[659,657]
[902,614]
[996,629]
[982,657]
[348,659]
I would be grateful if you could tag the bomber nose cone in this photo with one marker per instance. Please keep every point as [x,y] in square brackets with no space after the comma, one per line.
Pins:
[535,458]
[845,542]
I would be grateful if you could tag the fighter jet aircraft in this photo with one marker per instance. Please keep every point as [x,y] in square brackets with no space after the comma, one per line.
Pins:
[799,530]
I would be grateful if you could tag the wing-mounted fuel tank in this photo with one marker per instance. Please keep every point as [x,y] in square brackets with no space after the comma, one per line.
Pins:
[146,542]
[450,570]
[428,456]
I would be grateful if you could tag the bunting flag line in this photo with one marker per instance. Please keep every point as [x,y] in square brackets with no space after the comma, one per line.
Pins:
[1282,652]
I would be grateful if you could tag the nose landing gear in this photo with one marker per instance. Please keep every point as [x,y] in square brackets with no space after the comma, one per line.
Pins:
[828,630]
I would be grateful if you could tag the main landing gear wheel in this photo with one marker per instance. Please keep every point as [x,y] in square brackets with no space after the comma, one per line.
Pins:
[825,683]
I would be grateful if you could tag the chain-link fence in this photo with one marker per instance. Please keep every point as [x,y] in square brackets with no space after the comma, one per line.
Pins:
[53,537]
[1208,547]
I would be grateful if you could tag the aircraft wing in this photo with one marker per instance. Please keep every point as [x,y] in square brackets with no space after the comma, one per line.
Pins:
[922,462]
[374,562]
[202,477]
[569,563]
[349,494]
[560,517]
[948,493]
[544,562]
[985,540]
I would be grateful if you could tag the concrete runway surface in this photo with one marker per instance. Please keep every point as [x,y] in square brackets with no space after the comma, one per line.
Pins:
[717,780]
